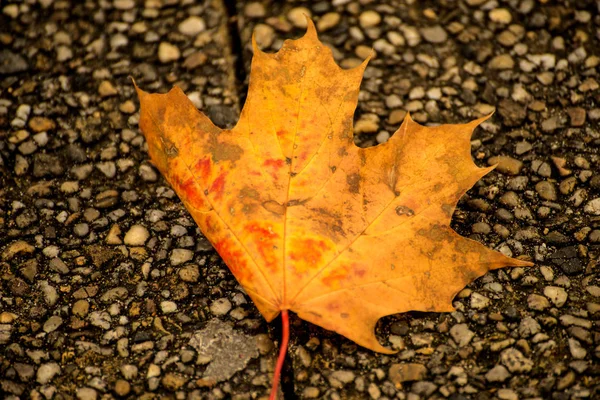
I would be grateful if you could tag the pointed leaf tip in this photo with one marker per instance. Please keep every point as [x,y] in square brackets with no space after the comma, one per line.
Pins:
[311,30]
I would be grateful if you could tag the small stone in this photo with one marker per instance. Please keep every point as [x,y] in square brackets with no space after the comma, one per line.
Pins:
[181,256]
[502,61]
[100,319]
[254,9]
[546,190]
[593,290]
[593,207]
[515,361]
[328,21]
[189,273]
[497,374]
[523,147]
[47,372]
[107,89]
[577,351]
[127,107]
[192,26]
[461,334]
[369,19]
[195,60]
[568,260]
[507,394]
[297,16]
[537,302]
[557,295]
[52,323]
[577,116]
[124,4]
[338,379]
[122,387]
[310,392]
[368,123]
[434,34]
[264,35]
[129,371]
[173,381]
[479,301]
[407,372]
[63,53]
[80,308]
[220,306]
[168,307]
[506,165]
[136,236]
[153,371]
[168,52]
[86,393]
[41,124]
[500,15]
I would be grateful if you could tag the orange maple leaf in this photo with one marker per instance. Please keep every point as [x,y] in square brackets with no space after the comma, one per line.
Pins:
[307,221]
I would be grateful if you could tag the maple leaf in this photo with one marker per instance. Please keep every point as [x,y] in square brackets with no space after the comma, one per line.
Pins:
[307,221]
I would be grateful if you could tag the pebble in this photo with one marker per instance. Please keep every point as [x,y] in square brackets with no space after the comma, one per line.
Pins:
[181,256]
[264,35]
[434,34]
[338,379]
[515,361]
[407,372]
[107,89]
[461,334]
[191,26]
[577,351]
[506,165]
[86,393]
[500,15]
[557,295]
[100,319]
[122,387]
[328,21]
[497,374]
[369,19]
[593,207]
[220,306]
[137,235]
[168,307]
[501,61]
[129,371]
[546,190]
[479,301]
[80,308]
[47,372]
[52,323]
[168,52]
[297,16]
[189,273]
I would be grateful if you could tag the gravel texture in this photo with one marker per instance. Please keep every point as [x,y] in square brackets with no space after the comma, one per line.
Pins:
[110,291]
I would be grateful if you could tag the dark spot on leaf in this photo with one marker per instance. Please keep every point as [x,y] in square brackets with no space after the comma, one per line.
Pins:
[274,207]
[296,202]
[448,209]
[247,191]
[226,152]
[403,210]
[344,315]
[353,181]
[169,147]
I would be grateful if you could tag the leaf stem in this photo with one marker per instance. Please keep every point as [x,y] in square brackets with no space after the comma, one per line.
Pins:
[285,337]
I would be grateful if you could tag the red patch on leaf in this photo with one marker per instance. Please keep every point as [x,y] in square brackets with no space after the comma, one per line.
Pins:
[218,186]
[264,239]
[233,257]
[203,168]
